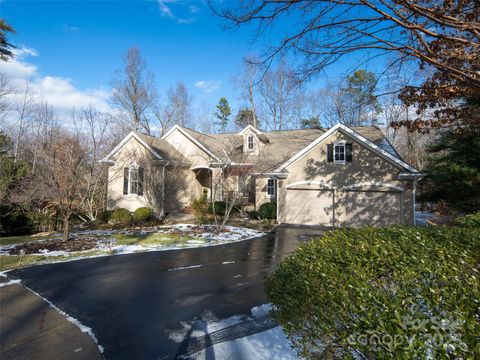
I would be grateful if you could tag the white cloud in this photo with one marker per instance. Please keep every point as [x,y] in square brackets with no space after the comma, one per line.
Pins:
[208,86]
[193,9]
[59,92]
[71,29]
[165,7]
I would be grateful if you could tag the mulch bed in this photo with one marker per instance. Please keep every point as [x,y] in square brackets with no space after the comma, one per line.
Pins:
[77,244]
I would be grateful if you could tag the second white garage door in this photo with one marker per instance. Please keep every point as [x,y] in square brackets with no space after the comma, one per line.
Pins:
[374,208]
[309,207]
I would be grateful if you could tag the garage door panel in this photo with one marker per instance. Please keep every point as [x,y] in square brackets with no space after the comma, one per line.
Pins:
[375,208]
[309,207]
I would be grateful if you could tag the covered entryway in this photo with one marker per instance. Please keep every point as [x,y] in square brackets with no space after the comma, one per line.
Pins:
[309,204]
[203,182]
[374,207]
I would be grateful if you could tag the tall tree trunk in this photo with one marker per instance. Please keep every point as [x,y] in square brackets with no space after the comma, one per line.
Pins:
[66,228]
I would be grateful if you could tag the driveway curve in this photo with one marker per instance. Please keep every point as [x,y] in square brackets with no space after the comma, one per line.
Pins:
[136,303]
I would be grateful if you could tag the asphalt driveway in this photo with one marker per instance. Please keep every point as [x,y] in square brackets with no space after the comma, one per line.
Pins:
[134,303]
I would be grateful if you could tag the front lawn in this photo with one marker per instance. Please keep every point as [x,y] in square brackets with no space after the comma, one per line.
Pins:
[17,252]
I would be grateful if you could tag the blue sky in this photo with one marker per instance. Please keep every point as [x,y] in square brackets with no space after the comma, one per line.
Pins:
[77,45]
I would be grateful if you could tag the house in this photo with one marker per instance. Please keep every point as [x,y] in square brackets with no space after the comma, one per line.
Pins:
[340,176]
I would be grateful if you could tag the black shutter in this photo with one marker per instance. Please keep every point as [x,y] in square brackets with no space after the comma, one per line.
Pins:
[125,181]
[140,181]
[330,152]
[348,152]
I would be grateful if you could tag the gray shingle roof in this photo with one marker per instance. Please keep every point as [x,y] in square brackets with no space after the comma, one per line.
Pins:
[281,145]
[164,149]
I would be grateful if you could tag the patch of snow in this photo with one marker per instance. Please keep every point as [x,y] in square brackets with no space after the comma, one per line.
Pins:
[195,242]
[228,262]
[264,345]
[185,267]
[76,322]
[11,282]
[261,310]
[422,217]
[46,252]
[237,276]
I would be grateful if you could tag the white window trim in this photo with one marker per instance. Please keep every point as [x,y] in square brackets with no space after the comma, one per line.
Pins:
[133,166]
[274,187]
[250,136]
[344,144]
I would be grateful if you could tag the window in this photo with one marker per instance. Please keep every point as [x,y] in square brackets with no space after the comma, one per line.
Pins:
[133,180]
[339,153]
[250,142]
[271,187]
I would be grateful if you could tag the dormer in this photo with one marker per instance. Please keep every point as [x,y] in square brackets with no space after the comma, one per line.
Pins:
[253,140]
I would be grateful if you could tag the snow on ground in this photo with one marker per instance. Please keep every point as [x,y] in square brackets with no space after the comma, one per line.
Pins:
[421,217]
[76,322]
[206,235]
[262,345]
[11,282]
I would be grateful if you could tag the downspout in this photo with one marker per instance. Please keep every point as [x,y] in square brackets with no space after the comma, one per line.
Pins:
[163,190]
[413,201]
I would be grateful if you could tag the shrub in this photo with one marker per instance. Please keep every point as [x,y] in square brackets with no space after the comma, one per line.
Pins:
[392,293]
[253,215]
[220,208]
[468,221]
[121,215]
[142,214]
[200,210]
[268,211]
[14,222]
[104,216]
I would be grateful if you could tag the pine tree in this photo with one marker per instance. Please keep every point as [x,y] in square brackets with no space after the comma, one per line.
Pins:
[223,113]
[454,169]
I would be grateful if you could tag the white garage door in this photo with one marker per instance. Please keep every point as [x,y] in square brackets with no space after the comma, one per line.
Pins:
[309,207]
[375,208]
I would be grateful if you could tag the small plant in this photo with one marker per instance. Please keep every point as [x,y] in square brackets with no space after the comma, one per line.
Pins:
[470,221]
[200,210]
[104,216]
[220,207]
[121,215]
[253,215]
[268,211]
[142,214]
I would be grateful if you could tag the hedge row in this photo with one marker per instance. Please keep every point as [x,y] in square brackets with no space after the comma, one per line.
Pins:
[393,293]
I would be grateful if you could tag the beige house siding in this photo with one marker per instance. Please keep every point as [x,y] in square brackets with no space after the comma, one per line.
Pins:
[132,152]
[261,195]
[187,148]
[367,168]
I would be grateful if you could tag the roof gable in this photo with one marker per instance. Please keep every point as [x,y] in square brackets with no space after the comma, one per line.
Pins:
[354,135]
[126,139]
[185,133]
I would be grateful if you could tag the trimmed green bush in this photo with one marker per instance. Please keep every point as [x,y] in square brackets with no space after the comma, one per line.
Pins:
[392,293]
[268,211]
[121,215]
[468,221]
[142,214]
[220,208]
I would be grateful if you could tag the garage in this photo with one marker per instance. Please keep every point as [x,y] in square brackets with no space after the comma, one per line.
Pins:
[309,206]
[374,208]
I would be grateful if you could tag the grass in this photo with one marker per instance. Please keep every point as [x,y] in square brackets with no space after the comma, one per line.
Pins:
[9,240]
[154,239]
[11,262]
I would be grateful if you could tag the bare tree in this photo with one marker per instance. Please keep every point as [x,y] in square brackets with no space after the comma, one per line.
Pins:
[246,84]
[133,90]
[5,89]
[176,109]
[280,90]
[23,108]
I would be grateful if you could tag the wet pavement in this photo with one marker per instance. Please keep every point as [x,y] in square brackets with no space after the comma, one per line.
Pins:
[137,304]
